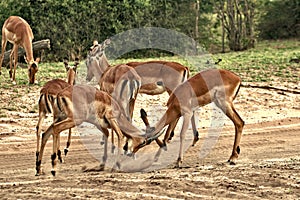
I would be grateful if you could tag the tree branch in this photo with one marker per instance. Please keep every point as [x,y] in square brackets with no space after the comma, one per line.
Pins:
[272,88]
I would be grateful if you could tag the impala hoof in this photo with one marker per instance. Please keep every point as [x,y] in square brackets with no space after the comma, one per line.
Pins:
[39,173]
[101,167]
[164,147]
[118,165]
[231,162]
[53,172]
[196,138]
[113,149]
[66,151]
[178,163]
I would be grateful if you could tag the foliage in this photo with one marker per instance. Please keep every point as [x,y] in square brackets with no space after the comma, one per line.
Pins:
[237,23]
[280,19]
[72,25]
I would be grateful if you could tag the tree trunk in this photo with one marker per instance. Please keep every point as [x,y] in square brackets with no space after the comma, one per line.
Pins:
[37,46]
[197,10]
[237,21]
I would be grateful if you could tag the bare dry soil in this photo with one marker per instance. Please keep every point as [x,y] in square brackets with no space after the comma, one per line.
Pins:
[268,166]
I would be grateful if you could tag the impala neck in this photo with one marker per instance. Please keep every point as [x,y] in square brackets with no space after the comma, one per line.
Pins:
[127,128]
[27,45]
[103,63]
[171,115]
[102,67]
[71,76]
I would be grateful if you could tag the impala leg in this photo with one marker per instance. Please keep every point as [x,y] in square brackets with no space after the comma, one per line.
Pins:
[102,141]
[58,127]
[11,60]
[185,126]
[58,149]
[3,45]
[104,158]
[195,131]
[66,150]
[38,132]
[112,141]
[15,55]
[118,131]
[239,124]
[228,109]
[54,155]
[170,131]
[45,137]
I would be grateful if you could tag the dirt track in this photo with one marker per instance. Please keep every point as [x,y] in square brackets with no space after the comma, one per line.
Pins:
[268,167]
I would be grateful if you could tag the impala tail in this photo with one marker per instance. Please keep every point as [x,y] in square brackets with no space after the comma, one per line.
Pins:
[186,74]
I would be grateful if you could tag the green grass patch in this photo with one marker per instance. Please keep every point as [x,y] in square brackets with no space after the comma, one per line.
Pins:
[267,62]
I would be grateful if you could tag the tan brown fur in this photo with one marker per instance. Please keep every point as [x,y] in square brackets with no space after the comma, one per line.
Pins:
[18,32]
[92,106]
[47,102]
[213,85]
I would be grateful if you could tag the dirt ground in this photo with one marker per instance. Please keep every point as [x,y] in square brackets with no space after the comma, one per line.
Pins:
[268,166]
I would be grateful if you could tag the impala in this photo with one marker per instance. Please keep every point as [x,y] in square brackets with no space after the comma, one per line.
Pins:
[212,85]
[120,81]
[47,102]
[18,32]
[156,76]
[95,107]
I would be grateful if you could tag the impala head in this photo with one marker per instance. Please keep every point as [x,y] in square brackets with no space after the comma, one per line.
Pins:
[133,144]
[71,70]
[96,59]
[32,69]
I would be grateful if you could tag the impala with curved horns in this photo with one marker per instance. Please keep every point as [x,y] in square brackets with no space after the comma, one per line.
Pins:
[213,85]
[18,32]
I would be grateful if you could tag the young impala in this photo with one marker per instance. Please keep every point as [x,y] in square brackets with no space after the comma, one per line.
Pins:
[92,106]
[212,85]
[47,102]
[18,32]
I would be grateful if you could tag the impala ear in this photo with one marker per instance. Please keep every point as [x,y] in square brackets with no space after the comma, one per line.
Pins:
[37,60]
[95,42]
[25,58]
[76,62]
[106,43]
[66,63]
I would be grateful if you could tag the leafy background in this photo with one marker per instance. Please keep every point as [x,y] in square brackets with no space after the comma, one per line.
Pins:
[72,25]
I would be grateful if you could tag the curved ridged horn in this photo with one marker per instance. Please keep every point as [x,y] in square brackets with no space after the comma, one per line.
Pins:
[148,140]
[154,137]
